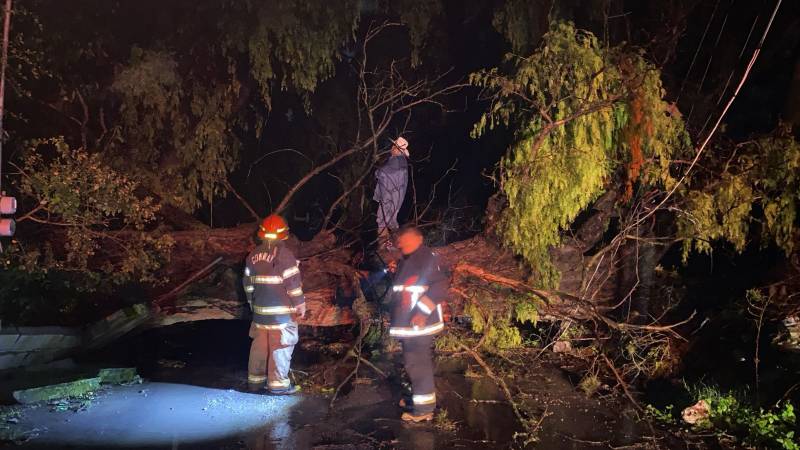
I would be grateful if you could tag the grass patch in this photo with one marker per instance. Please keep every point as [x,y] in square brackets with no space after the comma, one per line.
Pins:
[444,423]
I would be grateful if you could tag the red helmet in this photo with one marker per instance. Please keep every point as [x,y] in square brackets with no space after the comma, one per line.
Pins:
[273,227]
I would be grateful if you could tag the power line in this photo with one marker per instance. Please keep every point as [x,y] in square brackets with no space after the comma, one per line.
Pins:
[711,56]
[744,47]
[699,46]
[713,130]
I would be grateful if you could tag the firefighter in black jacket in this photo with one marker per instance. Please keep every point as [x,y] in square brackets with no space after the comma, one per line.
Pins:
[420,286]
[273,287]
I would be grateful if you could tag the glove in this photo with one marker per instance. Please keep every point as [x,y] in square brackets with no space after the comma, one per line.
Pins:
[418,320]
[300,310]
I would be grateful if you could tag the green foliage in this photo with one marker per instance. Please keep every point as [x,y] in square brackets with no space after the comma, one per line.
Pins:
[526,309]
[446,342]
[570,105]
[652,358]
[443,422]
[85,198]
[503,336]
[26,59]
[761,174]
[374,337]
[666,416]
[478,321]
[165,103]
[729,415]
[590,383]
[499,332]
[417,16]
[498,326]
[37,297]
[80,189]
[522,22]
[176,135]
[298,41]
[755,297]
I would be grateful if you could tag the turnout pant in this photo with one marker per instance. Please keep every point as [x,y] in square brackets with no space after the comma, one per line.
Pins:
[270,357]
[418,361]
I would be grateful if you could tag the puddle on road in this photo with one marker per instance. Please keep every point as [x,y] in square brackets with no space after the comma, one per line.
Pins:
[196,398]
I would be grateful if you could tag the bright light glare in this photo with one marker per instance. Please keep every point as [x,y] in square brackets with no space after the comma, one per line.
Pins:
[159,414]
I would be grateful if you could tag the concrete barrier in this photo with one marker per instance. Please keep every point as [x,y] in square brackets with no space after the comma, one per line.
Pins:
[25,346]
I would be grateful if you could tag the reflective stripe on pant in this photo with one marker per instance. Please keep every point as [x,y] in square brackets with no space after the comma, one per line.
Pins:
[418,360]
[271,355]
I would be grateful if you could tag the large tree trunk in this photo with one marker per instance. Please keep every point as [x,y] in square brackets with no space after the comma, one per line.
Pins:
[328,268]
[323,267]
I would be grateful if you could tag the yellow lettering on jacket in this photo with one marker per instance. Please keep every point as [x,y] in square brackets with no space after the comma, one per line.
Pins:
[262,256]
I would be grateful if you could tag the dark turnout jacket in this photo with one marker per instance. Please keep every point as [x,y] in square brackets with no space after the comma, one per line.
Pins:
[390,190]
[273,285]
[420,287]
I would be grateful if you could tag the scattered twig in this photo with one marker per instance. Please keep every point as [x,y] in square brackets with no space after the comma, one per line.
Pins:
[355,351]
[621,381]
[500,382]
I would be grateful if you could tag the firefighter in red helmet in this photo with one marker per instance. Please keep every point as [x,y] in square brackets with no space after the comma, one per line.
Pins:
[273,287]
[420,288]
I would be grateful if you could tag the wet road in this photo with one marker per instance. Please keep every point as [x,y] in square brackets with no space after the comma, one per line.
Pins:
[196,398]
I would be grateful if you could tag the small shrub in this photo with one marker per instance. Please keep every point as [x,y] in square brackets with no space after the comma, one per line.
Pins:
[443,422]
[666,416]
[478,320]
[729,415]
[526,309]
[589,384]
[446,342]
[503,336]
[500,332]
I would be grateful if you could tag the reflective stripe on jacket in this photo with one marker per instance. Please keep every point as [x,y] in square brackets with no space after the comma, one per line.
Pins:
[272,284]
[420,287]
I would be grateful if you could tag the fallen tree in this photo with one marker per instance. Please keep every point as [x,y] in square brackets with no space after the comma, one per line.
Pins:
[328,266]
[101,233]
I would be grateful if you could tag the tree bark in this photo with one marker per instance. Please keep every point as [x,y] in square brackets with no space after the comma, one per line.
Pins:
[327,268]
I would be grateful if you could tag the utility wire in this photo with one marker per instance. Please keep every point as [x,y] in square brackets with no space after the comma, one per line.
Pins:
[713,130]
[730,76]
[713,49]
[744,47]
[708,66]
[699,46]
